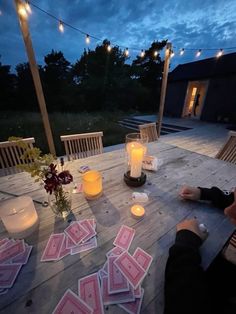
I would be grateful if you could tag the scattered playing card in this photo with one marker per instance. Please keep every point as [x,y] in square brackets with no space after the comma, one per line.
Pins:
[23,258]
[124,237]
[78,188]
[87,226]
[121,297]
[92,223]
[84,169]
[116,281]
[69,243]
[71,303]
[143,258]
[89,291]
[3,241]
[76,232]
[64,251]
[90,244]
[53,247]
[138,292]
[130,268]
[133,307]
[115,251]
[8,274]
[12,251]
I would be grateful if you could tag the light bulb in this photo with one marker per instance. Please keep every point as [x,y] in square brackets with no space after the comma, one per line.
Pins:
[109,48]
[172,54]
[27,7]
[181,51]
[22,11]
[87,39]
[219,53]
[155,53]
[61,27]
[198,53]
[126,52]
[142,54]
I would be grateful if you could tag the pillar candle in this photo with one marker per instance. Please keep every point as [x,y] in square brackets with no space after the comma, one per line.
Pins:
[92,184]
[136,159]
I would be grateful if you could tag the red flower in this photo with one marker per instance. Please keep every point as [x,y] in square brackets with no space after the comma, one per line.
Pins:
[65,177]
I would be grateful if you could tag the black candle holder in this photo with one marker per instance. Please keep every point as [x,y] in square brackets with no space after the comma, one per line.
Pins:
[135,182]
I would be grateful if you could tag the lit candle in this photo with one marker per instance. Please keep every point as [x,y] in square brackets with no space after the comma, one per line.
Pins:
[19,216]
[92,184]
[137,211]
[136,159]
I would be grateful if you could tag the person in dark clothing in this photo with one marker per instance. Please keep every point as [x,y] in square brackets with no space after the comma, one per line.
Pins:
[188,288]
[196,104]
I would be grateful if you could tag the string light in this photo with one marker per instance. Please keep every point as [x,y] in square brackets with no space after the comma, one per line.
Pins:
[127,52]
[87,39]
[109,48]
[142,54]
[219,53]
[61,27]
[28,8]
[198,53]
[22,11]
[172,54]
[155,53]
[181,52]
[0,12]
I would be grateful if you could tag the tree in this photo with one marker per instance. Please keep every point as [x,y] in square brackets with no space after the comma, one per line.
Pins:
[7,87]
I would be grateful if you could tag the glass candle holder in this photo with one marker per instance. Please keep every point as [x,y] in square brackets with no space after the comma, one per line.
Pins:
[137,211]
[19,216]
[92,184]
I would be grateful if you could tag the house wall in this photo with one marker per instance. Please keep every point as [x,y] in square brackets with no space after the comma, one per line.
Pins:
[175,97]
[220,101]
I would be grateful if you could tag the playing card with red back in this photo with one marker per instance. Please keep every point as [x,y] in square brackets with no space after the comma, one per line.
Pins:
[64,251]
[76,232]
[12,251]
[87,226]
[3,241]
[53,247]
[90,292]
[8,274]
[92,223]
[133,307]
[115,251]
[116,281]
[72,303]
[143,258]
[124,237]
[90,244]
[130,268]
[121,297]
[23,258]
[69,243]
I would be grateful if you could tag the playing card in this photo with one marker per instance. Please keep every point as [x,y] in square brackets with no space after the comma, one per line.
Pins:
[143,258]
[105,267]
[138,292]
[130,268]
[116,281]
[8,274]
[115,251]
[76,232]
[78,188]
[87,226]
[12,251]
[133,307]
[102,274]
[90,244]
[53,247]
[64,251]
[89,291]
[69,243]
[92,223]
[3,241]
[121,297]
[23,258]
[71,303]
[124,237]
[7,244]
[3,291]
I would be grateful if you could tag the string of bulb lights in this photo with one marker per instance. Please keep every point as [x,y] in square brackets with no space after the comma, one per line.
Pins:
[25,10]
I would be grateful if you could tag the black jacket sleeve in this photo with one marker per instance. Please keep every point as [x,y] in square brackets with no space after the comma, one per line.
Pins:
[220,199]
[185,281]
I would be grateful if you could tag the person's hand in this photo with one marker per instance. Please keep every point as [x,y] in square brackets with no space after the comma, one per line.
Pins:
[190,193]
[192,225]
[230,211]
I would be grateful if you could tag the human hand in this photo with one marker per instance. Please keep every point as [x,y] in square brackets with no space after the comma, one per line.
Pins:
[192,225]
[230,211]
[190,193]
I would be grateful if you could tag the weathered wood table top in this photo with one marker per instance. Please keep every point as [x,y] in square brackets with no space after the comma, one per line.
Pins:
[40,286]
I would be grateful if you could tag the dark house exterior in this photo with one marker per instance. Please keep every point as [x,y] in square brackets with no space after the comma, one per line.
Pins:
[212,81]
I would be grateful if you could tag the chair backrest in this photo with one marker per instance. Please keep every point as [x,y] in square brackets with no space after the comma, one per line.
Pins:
[83,145]
[10,154]
[228,151]
[149,130]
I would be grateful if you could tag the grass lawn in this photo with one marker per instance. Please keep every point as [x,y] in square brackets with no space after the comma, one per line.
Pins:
[29,124]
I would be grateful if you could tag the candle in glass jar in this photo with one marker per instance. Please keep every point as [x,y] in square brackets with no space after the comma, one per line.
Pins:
[92,184]
[137,211]
[136,159]
[19,216]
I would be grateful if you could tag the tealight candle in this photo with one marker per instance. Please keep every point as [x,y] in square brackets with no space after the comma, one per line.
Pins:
[19,216]
[137,211]
[92,184]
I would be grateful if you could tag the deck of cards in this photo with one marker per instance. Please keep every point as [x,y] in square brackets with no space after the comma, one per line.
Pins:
[13,255]
[117,282]
[80,236]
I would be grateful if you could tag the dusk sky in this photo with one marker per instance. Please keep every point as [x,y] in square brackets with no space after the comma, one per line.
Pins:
[130,23]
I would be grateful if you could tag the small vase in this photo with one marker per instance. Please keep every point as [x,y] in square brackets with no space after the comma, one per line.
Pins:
[60,201]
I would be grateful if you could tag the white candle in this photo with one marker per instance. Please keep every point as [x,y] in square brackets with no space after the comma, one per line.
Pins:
[136,160]
[19,216]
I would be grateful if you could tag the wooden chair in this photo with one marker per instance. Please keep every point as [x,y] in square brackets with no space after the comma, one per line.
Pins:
[83,145]
[149,130]
[228,151]
[10,154]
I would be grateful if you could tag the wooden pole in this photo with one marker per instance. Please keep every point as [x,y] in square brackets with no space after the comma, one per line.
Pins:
[22,15]
[163,87]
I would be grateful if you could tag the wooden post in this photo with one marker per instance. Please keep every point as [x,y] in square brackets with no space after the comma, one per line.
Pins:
[20,9]
[163,87]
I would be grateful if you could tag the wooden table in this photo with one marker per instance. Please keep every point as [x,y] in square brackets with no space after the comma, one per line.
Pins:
[39,286]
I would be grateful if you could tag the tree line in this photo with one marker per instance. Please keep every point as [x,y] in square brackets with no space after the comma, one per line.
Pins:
[99,80]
